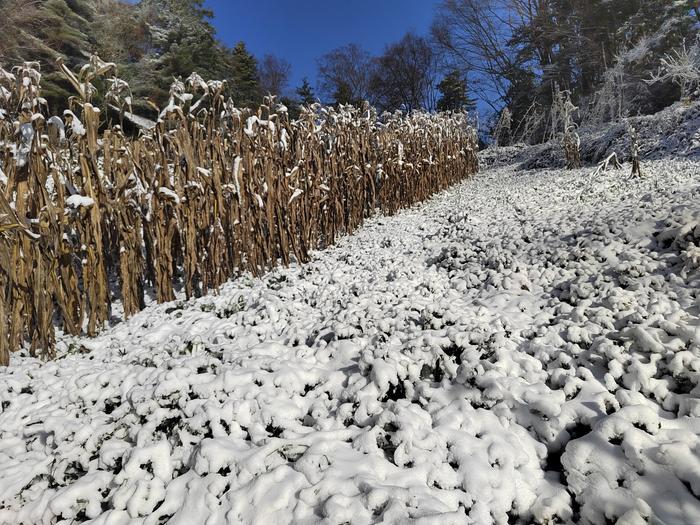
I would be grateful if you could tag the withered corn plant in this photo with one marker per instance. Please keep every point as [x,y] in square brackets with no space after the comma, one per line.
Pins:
[562,115]
[90,216]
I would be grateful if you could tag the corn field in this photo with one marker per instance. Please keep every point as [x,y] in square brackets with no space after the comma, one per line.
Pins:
[90,216]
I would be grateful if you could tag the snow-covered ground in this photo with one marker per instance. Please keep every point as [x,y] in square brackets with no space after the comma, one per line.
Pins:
[524,348]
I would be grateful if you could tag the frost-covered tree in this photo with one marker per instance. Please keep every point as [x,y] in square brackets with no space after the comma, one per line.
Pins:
[521,49]
[564,127]
[682,67]
[502,130]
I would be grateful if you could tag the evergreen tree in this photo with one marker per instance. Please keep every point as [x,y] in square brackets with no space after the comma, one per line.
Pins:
[293,107]
[151,41]
[344,75]
[181,40]
[343,95]
[244,77]
[121,32]
[306,93]
[454,93]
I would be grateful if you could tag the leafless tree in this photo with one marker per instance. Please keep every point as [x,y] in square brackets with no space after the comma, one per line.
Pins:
[345,73]
[472,38]
[405,75]
[274,75]
[478,36]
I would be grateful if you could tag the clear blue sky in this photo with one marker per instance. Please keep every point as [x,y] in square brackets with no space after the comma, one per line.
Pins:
[300,31]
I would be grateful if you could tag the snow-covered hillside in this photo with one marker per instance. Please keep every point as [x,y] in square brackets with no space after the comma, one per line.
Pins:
[524,348]
[673,132]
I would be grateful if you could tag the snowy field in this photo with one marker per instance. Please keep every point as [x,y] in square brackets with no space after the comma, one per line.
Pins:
[524,348]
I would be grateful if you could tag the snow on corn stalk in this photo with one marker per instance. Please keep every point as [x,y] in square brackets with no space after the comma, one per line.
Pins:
[562,113]
[93,216]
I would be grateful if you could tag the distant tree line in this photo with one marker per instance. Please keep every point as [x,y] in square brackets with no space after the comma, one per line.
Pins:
[515,55]
[408,75]
[151,41]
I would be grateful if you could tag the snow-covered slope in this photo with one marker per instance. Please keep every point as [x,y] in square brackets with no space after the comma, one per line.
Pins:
[673,132]
[522,349]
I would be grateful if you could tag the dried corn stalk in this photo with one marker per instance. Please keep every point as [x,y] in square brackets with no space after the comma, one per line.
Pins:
[89,216]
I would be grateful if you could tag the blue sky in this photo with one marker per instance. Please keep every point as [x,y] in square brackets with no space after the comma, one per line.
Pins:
[302,30]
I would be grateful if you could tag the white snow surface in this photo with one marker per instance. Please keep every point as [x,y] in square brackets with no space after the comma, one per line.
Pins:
[524,348]
[79,201]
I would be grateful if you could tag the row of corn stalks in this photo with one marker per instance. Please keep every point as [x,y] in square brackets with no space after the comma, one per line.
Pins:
[90,216]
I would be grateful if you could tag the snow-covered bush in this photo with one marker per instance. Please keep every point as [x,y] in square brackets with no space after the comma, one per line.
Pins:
[682,67]
[502,131]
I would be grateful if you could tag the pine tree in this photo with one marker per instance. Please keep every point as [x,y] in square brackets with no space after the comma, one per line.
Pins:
[293,107]
[454,93]
[181,41]
[343,95]
[244,77]
[306,93]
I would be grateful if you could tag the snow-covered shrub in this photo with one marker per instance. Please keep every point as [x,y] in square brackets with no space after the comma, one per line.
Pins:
[682,67]
[502,132]
[610,103]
